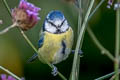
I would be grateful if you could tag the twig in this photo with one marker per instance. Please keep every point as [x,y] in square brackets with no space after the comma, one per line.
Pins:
[79,41]
[95,40]
[117,43]
[7,7]
[79,28]
[79,25]
[106,76]
[79,16]
[99,45]
[113,77]
[6,70]
[8,28]
[96,8]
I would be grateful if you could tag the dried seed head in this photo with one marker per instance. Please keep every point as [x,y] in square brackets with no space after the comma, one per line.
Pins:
[26,15]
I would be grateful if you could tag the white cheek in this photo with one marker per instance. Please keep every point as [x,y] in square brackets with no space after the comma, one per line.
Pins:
[58,22]
[50,28]
[65,26]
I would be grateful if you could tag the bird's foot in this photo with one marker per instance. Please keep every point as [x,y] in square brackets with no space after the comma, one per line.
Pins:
[79,52]
[54,71]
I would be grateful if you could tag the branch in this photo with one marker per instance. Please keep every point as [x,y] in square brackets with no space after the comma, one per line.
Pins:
[6,70]
[99,45]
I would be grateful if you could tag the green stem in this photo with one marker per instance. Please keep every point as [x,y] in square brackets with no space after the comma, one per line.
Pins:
[106,76]
[117,43]
[8,28]
[79,27]
[29,42]
[96,8]
[113,77]
[80,16]
[73,75]
[7,7]
[99,45]
[10,73]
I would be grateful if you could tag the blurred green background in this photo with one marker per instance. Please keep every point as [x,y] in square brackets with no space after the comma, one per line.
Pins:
[14,50]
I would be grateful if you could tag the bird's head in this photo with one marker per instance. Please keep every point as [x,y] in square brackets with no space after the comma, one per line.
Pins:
[55,22]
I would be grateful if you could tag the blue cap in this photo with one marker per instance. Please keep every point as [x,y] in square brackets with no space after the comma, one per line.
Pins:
[55,15]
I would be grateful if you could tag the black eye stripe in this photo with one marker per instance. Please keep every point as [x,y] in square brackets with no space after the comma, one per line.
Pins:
[54,24]
[51,23]
[62,23]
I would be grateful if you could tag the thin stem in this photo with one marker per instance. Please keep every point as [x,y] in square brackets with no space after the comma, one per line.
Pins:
[79,27]
[73,75]
[117,43]
[113,77]
[7,7]
[80,16]
[99,45]
[29,42]
[95,40]
[63,77]
[6,70]
[106,76]
[8,28]
[96,8]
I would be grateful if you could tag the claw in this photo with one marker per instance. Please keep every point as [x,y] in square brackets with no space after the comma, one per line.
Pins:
[54,71]
[79,52]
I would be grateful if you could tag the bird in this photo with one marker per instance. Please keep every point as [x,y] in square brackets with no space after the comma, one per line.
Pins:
[56,39]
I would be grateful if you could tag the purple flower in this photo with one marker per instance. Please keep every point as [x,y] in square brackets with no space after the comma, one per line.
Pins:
[110,2]
[28,6]
[26,15]
[4,77]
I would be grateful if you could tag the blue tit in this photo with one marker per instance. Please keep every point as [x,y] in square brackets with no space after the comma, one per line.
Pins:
[56,39]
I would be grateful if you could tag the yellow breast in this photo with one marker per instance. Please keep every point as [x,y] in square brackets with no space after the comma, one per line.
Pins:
[51,49]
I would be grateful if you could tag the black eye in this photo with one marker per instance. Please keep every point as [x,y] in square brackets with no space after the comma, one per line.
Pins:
[58,30]
[52,24]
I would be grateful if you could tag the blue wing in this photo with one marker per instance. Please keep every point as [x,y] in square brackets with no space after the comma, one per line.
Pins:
[33,58]
[40,43]
[41,40]
[64,47]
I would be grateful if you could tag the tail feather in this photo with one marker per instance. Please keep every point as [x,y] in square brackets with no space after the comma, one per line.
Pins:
[33,58]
